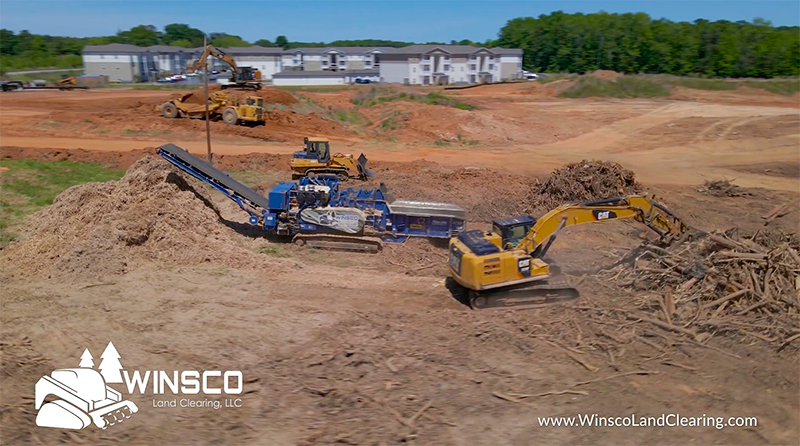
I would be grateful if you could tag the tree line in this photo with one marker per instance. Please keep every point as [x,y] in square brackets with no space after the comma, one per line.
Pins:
[635,43]
[557,42]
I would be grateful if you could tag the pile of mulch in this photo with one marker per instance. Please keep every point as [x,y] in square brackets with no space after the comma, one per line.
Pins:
[153,213]
[722,188]
[585,181]
[722,283]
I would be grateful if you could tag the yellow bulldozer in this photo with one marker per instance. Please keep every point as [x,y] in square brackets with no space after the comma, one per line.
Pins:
[219,106]
[316,159]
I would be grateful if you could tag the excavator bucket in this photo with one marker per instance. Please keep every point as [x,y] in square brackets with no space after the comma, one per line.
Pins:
[363,172]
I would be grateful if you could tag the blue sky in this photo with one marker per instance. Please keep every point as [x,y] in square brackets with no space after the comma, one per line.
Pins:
[314,21]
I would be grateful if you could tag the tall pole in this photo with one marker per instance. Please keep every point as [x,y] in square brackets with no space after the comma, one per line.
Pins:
[205,90]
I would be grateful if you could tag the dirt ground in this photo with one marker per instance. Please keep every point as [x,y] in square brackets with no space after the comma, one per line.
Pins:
[344,348]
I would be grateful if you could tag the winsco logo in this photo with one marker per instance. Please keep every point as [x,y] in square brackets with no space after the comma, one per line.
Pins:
[79,397]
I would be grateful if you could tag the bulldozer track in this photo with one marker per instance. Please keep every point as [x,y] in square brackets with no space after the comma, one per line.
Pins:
[339,242]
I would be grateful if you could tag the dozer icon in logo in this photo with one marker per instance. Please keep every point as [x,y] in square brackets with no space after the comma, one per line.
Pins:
[82,395]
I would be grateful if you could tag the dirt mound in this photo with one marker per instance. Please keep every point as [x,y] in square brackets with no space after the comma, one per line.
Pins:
[583,181]
[152,214]
[484,193]
[270,96]
[722,188]
[606,75]
[724,283]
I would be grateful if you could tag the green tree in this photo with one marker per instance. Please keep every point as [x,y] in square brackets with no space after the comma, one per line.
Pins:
[282,41]
[142,35]
[263,42]
[226,40]
[182,32]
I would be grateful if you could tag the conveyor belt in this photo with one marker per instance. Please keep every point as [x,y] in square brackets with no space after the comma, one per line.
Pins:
[206,172]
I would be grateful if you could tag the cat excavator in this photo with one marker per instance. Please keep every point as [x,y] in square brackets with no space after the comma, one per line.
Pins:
[242,78]
[504,268]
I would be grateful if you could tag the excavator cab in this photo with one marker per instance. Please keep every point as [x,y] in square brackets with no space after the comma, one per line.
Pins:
[513,230]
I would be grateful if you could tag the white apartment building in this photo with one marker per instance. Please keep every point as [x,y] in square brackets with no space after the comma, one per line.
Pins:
[449,64]
[413,65]
[131,63]
[332,59]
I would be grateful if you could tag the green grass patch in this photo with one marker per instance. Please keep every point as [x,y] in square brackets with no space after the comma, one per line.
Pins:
[703,84]
[28,186]
[273,250]
[382,95]
[442,143]
[622,87]
[786,87]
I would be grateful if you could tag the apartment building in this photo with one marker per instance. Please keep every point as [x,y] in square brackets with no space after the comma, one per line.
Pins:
[413,65]
[130,63]
[449,64]
[332,59]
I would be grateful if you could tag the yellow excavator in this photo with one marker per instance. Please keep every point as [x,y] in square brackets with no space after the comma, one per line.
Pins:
[503,268]
[242,78]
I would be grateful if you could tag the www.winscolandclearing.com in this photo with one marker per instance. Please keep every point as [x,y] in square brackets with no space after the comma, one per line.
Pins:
[664,420]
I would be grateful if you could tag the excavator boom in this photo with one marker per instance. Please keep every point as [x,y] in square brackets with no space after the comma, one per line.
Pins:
[504,268]
[241,77]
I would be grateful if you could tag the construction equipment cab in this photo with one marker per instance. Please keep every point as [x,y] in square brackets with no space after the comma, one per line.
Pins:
[503,268]
[242,78]
[316,159]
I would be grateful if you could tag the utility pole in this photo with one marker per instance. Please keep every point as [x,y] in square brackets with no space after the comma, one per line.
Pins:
[208,121]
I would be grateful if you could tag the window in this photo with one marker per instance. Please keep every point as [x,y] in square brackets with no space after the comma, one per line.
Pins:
[414,69]
[491,66]
[427,58]
[367,62]
[473,67]
[102,57]
[462,68]
[473,57]
[324,63]
[426,68]
[491,58]
[447,68]
[446,57]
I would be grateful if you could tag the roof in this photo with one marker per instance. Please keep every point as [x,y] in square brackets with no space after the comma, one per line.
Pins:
[342,49]
[507,51]
[450,49]
[254,50]
[301,74]
[112,48]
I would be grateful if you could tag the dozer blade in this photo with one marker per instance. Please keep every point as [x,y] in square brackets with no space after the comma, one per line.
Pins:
[363,172]
[523,297]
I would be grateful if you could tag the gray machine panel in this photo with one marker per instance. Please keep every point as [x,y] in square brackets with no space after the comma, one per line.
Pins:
[427,209]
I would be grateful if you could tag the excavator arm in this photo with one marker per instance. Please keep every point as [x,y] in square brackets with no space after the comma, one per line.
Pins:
[213,51]
[637,207]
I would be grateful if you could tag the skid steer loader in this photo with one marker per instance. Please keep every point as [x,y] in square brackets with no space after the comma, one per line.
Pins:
[84,399]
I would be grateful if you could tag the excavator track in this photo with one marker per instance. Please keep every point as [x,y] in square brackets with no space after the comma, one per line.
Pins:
[526,296]
[339,242]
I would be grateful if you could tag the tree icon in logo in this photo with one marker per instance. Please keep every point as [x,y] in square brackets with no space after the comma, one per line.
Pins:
[110,366]
[87,362]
